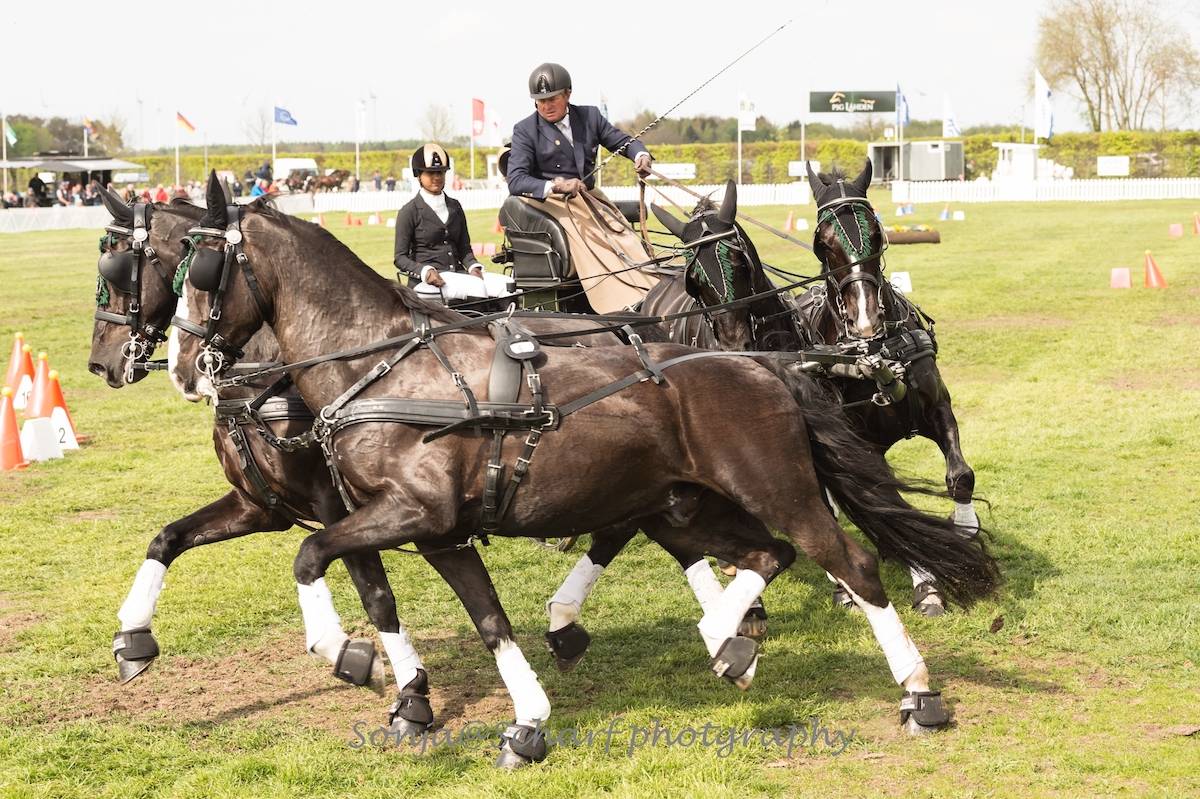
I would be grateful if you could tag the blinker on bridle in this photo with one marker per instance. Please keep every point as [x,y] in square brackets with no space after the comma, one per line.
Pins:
[123,270]
[208,270]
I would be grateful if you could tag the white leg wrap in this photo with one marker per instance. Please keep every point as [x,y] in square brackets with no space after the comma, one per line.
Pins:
[704,584]
[403,656]
[530,704]
[721,620]
[900,651]
[919,575]
[568,600]
[138,610]
[965,516]
[323,633]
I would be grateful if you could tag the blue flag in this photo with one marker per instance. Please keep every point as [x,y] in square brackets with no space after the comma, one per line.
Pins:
[284,116]
[901,103]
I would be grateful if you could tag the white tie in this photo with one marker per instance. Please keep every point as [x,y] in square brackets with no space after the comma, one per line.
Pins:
[565,128]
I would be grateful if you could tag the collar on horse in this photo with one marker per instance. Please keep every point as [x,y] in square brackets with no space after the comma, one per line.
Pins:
[124,271]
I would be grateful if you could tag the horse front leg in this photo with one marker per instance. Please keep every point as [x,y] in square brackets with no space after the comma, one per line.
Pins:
[231,516]
[392,520]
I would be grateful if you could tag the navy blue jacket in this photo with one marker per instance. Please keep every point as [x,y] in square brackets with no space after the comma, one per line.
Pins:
[540,152]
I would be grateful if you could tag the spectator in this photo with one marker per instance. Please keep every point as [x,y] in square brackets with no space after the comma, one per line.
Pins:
[264,172]
[378,179]
[161,195]
[63,195]
[236,187]
[354,183]
[260,188]
[391,182]
[31,199]
[38,187]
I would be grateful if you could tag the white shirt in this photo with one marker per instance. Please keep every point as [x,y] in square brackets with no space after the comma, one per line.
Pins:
[437,204]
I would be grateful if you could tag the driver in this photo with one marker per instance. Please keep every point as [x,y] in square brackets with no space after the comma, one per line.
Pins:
[433,245]
[551,163]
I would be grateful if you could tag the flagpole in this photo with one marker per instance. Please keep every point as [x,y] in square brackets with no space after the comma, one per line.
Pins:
[85,141]
[274,125]
[4,148]
[472,129]
[204,135]
[176,148]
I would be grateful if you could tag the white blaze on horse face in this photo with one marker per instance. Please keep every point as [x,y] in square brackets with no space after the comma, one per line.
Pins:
[864,320]
[138,610]
[179,377]
[530,704]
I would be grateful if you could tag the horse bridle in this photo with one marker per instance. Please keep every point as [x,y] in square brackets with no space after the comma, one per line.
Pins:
[209,270]
[694,263]
[123,270]
[841,277]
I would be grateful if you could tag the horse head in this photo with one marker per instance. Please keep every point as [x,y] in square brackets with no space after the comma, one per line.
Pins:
[849,242]
[721,265]
[139,256]
[222,303]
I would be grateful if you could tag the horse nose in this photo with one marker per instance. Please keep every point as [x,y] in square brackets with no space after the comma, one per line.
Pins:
[95,368]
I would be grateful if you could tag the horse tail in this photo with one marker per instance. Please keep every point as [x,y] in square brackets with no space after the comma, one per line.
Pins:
[870,493]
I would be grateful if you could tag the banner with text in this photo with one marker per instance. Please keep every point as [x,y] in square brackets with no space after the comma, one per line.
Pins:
[851,102]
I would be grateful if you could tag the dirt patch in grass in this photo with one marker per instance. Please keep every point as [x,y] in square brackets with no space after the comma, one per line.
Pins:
[276,680]
[1152,381]
[13,621]
[95,516]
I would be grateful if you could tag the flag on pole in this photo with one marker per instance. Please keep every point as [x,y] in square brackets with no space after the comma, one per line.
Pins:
[182,121]
[901,105]
[747,117]
[477,125]
[950,129]
[1043,108]
[284,117]
[9,134]
[87,125]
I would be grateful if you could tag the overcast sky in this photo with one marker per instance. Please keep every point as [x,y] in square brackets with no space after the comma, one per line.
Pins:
[318,59]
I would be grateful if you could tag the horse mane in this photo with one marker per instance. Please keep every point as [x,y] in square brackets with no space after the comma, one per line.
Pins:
[704,205]
[834,174]
[336,247]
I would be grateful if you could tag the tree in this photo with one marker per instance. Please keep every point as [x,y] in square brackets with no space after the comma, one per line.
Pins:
[1123,59]
[256,125]
[437,124]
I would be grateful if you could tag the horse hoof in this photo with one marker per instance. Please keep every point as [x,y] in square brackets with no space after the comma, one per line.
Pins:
[923,712]
[754,623]
[927,600]
[134,651]
[736,661]
[359,664]
[842,598]
[411,715]
[568,645]
[521,745]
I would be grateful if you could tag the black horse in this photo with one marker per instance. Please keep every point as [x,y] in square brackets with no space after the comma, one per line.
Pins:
[271,489]
[856,306]
[613,449]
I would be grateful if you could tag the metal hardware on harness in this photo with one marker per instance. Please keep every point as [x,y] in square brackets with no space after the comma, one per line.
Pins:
[649,365]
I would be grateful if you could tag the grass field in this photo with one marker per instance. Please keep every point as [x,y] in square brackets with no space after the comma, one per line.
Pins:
[1079,413]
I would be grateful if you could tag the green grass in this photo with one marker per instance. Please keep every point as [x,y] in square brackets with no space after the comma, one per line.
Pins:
[1078,407]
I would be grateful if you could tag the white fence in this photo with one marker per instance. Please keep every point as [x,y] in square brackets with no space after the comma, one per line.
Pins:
[1103,190]
[63,217]
[21,220]
[475,199]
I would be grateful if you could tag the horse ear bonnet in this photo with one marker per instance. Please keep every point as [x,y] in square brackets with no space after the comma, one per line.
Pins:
[205,272]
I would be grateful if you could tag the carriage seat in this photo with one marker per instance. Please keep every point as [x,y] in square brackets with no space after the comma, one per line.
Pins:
[537,244]
[631,209]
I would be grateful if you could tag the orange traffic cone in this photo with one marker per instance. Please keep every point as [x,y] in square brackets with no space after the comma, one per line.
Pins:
[24,379]
[54,405]
[1154,278]
[11,377]
[41,381]
[349,220]
[10,438]
[1195,227]
[321,220]
[497,228]
[787,225]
